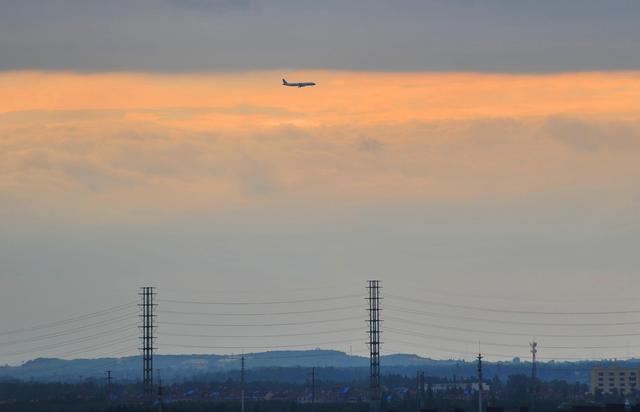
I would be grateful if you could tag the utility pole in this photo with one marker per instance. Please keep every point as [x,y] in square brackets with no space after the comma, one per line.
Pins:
[313,389]
[422,386]
[242,383]
[479,381]
[148,339]
[159,391]
[534,351]
[109,378]
[374,345]
[417,391]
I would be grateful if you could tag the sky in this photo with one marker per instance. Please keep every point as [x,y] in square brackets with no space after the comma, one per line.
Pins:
[482,153]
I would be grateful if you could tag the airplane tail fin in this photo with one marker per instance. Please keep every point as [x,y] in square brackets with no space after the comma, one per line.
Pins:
[284,82]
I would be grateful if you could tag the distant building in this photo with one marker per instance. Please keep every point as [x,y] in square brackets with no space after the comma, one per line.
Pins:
[614,379]
[460,386]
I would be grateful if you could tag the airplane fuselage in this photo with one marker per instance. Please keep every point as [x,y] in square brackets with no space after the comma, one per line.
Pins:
[303,84]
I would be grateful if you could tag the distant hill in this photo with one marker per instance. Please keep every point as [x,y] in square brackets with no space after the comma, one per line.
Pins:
[286,366]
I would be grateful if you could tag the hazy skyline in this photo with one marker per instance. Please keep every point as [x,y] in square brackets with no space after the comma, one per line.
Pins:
[478,152]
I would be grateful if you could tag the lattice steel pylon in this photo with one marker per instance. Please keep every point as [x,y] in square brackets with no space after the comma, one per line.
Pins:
[147,328]
[374,344]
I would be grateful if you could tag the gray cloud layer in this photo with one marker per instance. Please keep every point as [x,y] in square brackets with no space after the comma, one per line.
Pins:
[210,35]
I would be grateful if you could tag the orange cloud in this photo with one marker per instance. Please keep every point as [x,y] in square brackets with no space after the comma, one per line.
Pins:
[340,98]
[100,143]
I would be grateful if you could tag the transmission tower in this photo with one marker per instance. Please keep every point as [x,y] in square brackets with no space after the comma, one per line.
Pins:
[374,344]
[148,339]
[479,381]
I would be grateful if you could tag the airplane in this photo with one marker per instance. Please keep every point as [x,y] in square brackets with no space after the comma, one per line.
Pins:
[306,84]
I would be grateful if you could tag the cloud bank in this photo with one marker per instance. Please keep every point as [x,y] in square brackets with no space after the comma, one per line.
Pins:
[170,144]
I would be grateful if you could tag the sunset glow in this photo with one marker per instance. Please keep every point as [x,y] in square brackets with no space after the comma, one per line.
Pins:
[219,141]
[480,159]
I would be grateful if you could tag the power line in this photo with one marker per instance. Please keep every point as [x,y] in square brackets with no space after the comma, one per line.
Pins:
[507,345]
[262,324]
[116,352]
[449,350]
[590,347]
[109,353]
[523,312]
[465,341]
[394,308]
[91,348]
[262,313]
[276,302]
[68,342]
[261,336]
[458,295]
[70,320]
[69,331]
[262,347]
[489,332]
[502,355]
[62,344]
